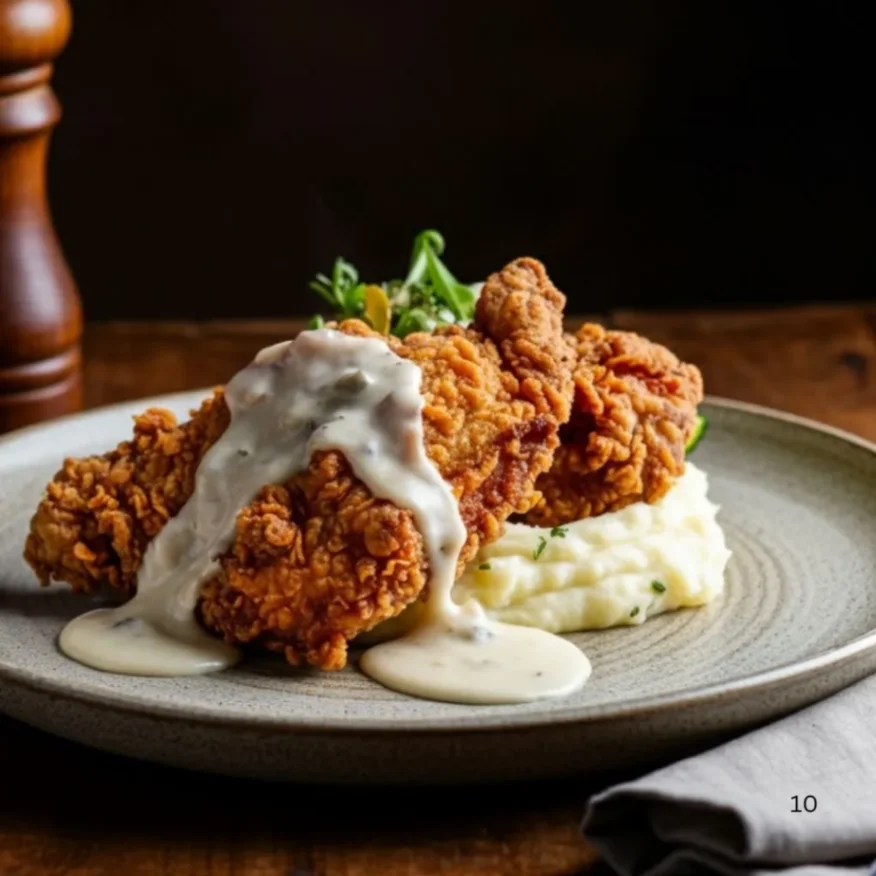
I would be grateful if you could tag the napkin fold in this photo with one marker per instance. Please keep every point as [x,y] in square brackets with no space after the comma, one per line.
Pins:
[730,811]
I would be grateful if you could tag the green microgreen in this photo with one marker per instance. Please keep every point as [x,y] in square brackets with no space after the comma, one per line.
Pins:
[428,296]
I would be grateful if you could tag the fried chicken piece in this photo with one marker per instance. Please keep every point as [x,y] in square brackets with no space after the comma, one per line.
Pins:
[99,513]
[634,412]
[320,559]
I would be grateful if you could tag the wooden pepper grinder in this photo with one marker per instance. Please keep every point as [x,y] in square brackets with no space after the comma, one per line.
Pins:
[40,312]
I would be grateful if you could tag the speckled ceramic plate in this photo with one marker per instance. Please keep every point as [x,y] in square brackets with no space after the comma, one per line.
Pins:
[797,622]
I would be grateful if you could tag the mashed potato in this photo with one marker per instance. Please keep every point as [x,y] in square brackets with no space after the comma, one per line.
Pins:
[615,569]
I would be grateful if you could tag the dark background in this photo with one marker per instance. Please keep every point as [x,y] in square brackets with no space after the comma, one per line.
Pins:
[214,155]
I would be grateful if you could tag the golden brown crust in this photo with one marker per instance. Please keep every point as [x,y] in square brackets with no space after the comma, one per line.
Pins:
[320,559]
[634,411]
[313,564]
[99,513]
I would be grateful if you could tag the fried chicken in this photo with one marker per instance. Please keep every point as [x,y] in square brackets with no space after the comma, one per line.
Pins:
[633,413]
[320,559]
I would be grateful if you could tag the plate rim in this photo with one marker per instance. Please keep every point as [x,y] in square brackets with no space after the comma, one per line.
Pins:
[481,721]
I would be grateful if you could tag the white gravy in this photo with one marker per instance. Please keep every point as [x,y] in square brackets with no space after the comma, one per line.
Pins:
[325,390]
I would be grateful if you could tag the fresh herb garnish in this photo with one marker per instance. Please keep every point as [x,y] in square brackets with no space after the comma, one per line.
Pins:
[542,544]
[460,299]
[427,297]
[485,567]
[701,425]
[634,612]
[559,531]
[658,586]
[342,290]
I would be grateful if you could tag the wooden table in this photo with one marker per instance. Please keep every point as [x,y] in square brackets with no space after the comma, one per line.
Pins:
[67,810]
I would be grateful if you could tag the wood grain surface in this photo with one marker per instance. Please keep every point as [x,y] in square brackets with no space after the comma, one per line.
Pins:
[68,810]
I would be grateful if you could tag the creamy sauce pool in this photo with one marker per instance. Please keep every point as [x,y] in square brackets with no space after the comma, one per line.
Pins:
[325,390]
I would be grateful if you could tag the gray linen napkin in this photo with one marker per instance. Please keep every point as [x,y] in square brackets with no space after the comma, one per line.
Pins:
[728,811]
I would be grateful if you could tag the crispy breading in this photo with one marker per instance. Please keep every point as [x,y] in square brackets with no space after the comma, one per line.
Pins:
[314,563]
[99,513]
[318,560]
[633,413]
